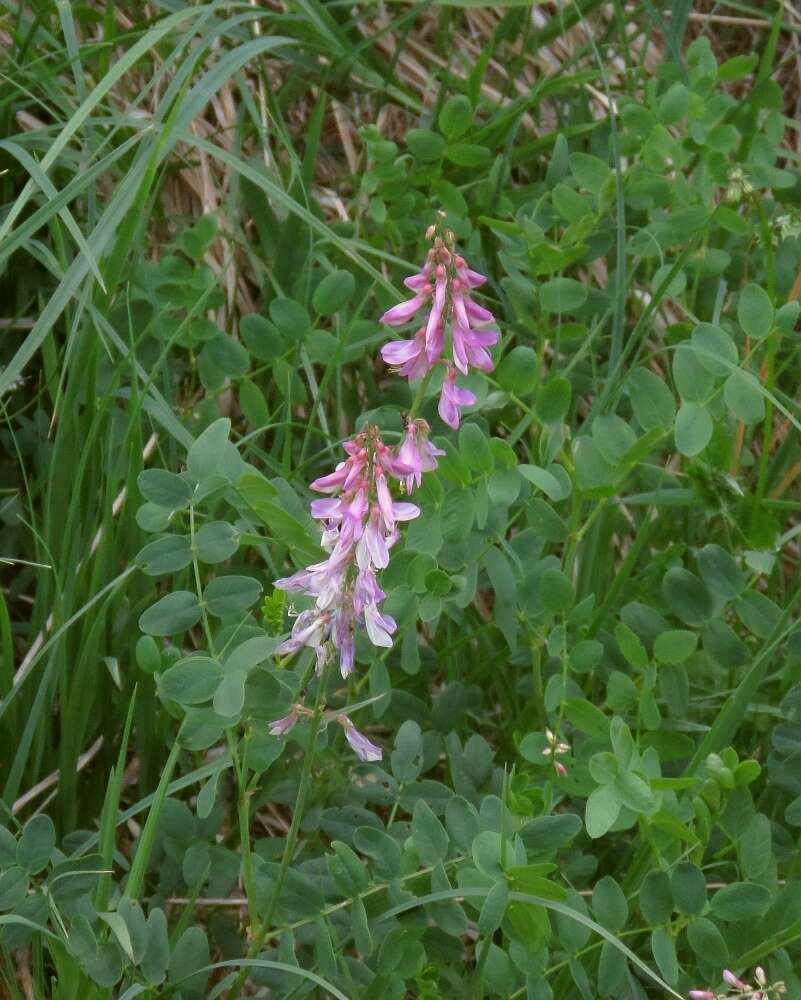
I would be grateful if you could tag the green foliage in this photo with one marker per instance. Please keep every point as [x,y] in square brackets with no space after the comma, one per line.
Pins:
[590,717]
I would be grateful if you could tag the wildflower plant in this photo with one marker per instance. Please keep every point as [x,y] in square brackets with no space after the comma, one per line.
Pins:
[459,656]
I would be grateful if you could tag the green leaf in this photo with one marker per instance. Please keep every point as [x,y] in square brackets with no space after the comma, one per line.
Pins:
[291,319]
[553,400]
[190,954]
[673,104]
[229,698]
[740,901]
[205,455]
[164,489]
[407,757]
[428,834]
[694,382]
[455,117]
[195,241]
[461,822]
[192,680]
[707,942]
[589,171]
[609,904]
[720,572]
[264,500]
[475,448]
[549,833]
[675,645]
[13,887]
[743,395]
[715,349]
[261,337]
[634,792]
[613,437]
[656,897]
[231,595]
[467,154]
[688,887]
[148,654]
[586,717]
[562,295]
[425,145]
[545,480]
[518,372]
[556,592]
[651,400]
[174,613]
[494,907]
[663,948]
[360,926]
[686,596]
[225,355]
[631,647]
[379,846]
[602,810]
[693,429]
[36,844]
[216,541]
[251,652]
[165,555]
[333,293]
[755,311]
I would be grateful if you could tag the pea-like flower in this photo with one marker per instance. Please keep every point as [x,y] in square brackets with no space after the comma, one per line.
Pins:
[362,747]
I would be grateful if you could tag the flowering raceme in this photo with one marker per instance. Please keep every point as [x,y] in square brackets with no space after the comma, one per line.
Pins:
[443,286]
[359,515]
[359,521]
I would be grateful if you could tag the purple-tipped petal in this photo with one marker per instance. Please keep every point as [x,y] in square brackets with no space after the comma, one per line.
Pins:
[404,311]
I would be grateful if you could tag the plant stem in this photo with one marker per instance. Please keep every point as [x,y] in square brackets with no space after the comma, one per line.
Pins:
[261,935]
[421,390]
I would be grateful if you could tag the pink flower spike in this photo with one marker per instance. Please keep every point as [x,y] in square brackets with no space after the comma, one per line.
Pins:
[452,399]
[701,995]
[404,311]
[362,747]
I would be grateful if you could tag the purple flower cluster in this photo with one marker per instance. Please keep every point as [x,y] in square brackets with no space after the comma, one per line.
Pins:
[444,287]
[359,527]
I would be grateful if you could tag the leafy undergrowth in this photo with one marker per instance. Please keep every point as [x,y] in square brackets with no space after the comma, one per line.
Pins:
[563,755]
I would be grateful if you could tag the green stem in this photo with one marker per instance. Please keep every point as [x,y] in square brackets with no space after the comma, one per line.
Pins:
[198,587]
[263,932]
[421,391]
[767,427]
